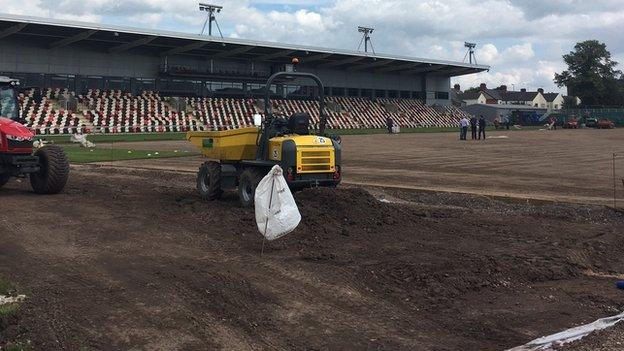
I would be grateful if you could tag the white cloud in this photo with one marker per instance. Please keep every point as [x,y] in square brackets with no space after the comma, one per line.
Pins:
[489,54]
[523,52]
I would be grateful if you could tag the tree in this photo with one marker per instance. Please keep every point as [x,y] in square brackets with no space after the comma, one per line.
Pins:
[591,75]
[472,90]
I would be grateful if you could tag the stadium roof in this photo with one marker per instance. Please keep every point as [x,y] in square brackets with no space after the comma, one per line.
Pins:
[52,33]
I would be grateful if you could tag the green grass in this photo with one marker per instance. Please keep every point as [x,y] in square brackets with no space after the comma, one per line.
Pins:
[18,347]
[8,310]
[133,137]
[5,286]
[99,154]
[122,137]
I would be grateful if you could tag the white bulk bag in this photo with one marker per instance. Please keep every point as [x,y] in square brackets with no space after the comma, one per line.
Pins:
[276,211]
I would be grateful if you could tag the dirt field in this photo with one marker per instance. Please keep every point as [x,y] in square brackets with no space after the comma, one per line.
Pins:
[131,259]
[562,165]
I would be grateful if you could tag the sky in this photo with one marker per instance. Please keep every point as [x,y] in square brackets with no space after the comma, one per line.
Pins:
[522,40]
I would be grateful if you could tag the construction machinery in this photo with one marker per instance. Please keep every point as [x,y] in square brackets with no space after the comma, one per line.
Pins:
[240,158]
[47,167]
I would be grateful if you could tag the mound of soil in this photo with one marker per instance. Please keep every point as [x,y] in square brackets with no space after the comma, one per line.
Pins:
[604,340]
[133,259]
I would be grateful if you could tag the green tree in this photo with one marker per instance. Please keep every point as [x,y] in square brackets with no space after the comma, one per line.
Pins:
[591,75]
[472,90]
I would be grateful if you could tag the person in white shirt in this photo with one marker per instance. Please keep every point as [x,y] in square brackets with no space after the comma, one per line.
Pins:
[463,124]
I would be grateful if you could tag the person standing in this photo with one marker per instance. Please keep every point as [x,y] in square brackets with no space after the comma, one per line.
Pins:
[473,127]
[463,124]
[507,122]
[390,124]
[482,125]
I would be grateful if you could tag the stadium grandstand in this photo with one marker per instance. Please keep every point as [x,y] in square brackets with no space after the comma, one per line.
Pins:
[82,76]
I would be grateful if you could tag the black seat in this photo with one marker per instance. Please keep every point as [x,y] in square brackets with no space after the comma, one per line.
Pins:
[299,123]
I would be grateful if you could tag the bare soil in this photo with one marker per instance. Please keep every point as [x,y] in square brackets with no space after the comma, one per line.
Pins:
[605,340]
[132,259]
[562,165]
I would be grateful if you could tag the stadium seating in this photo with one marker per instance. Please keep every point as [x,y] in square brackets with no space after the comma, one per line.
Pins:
[115,111]
[46,117]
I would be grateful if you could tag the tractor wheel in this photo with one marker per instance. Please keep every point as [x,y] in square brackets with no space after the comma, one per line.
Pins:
[4,178]
[209,181]
[54,170]
[249,180]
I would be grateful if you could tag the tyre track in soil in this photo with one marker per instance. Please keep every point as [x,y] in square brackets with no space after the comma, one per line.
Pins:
[132,259]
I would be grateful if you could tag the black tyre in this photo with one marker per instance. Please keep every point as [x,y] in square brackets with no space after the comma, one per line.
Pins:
[249,180]
[4,178]
[54,172]
[209,181]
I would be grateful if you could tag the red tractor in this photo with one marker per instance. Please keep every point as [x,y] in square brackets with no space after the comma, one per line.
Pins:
[47,167]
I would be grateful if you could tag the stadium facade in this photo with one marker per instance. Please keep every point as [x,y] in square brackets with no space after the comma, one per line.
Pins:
[79,56]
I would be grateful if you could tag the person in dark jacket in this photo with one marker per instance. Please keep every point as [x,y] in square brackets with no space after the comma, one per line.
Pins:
[390,124]
[473,127]
[482,125]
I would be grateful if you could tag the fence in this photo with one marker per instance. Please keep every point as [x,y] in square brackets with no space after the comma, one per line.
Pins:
[614,114]
[618,180]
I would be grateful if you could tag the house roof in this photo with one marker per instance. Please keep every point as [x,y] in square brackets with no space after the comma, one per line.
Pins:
[493,93]
[518,95]
[550,97]
[470,95]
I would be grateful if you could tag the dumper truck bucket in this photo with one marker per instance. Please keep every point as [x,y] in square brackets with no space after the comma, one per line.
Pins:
[228,145]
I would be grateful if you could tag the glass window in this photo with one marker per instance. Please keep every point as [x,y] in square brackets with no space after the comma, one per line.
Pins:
[442,95]
[337,91]
[8,103]
[353,92]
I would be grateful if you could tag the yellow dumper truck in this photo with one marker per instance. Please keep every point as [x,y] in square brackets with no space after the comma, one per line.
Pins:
[240,158]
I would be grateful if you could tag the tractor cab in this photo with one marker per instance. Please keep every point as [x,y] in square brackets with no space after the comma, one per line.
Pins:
[14,136]
[9,107]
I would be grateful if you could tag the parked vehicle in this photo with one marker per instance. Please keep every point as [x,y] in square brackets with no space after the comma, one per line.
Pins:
[571,124]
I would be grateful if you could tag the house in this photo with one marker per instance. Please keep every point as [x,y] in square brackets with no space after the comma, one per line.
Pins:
[470,97]
[554,101]
[524,97]
[501,96]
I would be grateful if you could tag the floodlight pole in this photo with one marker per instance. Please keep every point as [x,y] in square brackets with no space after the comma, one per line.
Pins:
[211,10]
[366,38]
[471,52]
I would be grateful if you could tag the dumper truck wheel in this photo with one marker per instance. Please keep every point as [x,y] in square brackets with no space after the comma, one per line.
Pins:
[4,178]
[249,180]
[53,172]
[209,181]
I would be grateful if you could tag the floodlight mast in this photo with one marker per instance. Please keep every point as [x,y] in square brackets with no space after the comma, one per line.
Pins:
[471,53]
[211,10]
[366,32]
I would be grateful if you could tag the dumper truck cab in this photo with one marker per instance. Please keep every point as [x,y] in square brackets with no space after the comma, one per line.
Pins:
[47,167]
[240,158]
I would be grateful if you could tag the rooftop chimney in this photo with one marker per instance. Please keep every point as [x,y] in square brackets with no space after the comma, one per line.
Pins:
[523,90]
[483,86]
[541,90]
[503,87]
